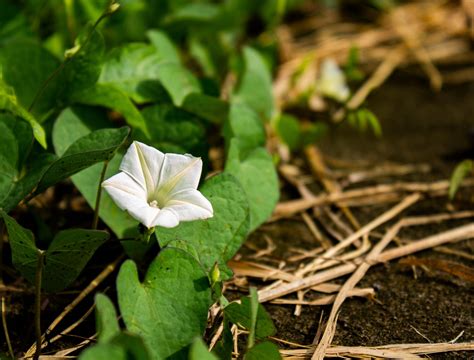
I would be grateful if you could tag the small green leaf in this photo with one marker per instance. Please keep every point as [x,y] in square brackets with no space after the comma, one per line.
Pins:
[8,102]
[113,98]
[255,86]
[169,309]
[199,351]
[175,130]
[462,170]
[83,69]
[22,243]
[241,314]
[178,81]
[26,67]
[106,319]
[207,107]
[68,254]
[100,145]
[217,238]
[165,47]
[123,346]
[289,131]
[258,177]
[133,68]
[244,124]
[263,351]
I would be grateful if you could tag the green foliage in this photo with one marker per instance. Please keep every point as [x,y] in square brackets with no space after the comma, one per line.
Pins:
[362,119]
[255,86]
[106,319]
[124,346]
[257,174]
[199,351]
[263,351]
[216,239]
[169,308]
[462,170]
[67,255]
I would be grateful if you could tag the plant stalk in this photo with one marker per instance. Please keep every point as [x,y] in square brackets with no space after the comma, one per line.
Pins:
[95,221]
[38,278]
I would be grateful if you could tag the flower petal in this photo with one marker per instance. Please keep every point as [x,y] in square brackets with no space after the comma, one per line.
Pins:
[179,172]
[190,205]
[165,218]
[130,196]
[143,163]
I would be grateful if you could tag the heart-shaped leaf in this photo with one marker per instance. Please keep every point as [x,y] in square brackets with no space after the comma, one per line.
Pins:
[217,238]
[169,308]
[106,319]
[257,174]
[255,86]
[65,258]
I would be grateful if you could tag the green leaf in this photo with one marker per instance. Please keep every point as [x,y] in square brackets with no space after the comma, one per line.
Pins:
[178,81]
[197,12]
[288,130]
[83,69]
[133,68]
[199,351]
[263,351]
[23,135]
[169,309]
[72,124]
[175,130]
[107,325]
[207,107]
[255,86]
[26,66]
[100,145]
[312,132]
[123,346]
[244,124]
[241,314]
[463,169]
[165,47]
[22,243]
[64,260]
[23,184]
[217,238]
[113,98]
[8,102]
[68,254]
[258,177]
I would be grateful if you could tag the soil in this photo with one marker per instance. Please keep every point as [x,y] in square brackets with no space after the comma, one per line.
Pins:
[419,126]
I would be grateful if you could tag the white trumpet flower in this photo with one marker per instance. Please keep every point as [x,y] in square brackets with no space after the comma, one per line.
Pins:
[332,81]
[159,189]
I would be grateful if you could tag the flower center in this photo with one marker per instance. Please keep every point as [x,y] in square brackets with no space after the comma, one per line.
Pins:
[154,203]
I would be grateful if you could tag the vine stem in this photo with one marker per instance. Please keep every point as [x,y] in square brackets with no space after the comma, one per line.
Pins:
[5,329]
[98,196]
[38,278]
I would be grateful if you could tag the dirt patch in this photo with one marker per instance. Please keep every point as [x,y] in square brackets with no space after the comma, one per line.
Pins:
[419,127]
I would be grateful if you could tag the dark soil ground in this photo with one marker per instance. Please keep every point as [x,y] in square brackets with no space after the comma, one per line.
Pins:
[419,126]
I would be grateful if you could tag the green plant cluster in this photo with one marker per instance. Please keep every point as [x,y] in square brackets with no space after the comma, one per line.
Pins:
[80,80]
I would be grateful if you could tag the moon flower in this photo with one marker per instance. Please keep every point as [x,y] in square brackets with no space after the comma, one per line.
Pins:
[159,189]
[332,81]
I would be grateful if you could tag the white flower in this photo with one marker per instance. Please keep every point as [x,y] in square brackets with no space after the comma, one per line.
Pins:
[332,82]
[159,189]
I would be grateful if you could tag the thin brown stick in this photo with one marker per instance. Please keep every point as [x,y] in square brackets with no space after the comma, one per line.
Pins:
[325,300]
[348,286]
[384,351]
[386,216]
[5,329]
[457,234]
[291,207]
